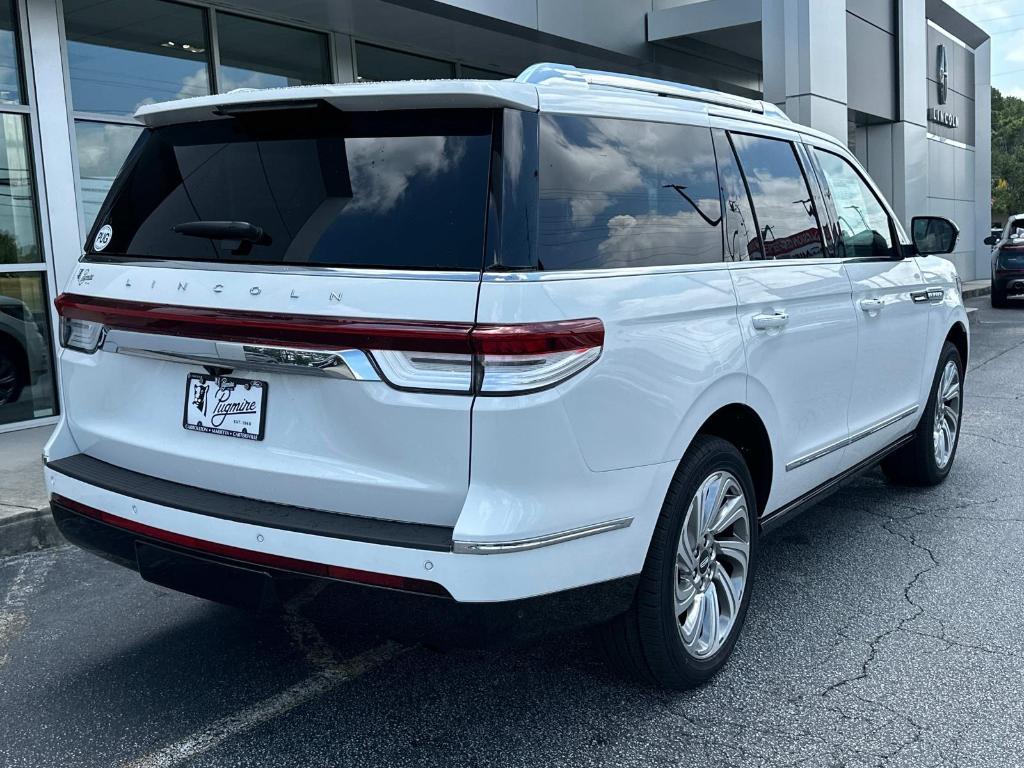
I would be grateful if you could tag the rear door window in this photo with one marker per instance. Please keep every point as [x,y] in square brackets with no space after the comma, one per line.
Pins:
[403,189]
[782,201]
[626,193]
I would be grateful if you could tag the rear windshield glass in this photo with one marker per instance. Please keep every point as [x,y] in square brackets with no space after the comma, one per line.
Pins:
[400,190]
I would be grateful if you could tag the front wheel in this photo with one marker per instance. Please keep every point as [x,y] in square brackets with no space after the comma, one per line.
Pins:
[928,457]
[695,586]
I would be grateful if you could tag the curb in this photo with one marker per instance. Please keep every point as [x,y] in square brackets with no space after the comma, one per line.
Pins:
[27,531]
[971,293]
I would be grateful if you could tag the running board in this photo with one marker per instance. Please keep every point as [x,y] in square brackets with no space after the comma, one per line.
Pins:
[783,515]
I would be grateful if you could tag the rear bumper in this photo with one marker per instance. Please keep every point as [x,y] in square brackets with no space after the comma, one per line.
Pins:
[342,547]
[1009,282]
[401,614]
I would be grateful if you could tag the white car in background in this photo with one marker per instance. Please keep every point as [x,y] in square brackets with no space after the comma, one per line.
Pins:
[494,357]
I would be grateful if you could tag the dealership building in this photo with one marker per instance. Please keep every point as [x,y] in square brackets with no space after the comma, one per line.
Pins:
[904,82]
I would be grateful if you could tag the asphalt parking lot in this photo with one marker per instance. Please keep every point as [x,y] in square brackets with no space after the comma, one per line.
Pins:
[886,628]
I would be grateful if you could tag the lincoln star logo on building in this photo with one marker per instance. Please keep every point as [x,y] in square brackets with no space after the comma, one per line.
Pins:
[942,66]
[936,115]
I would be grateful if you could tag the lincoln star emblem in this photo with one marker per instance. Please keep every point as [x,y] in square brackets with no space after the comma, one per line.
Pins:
[942,73]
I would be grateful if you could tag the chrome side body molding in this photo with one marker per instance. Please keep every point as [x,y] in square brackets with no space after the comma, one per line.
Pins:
[825,451]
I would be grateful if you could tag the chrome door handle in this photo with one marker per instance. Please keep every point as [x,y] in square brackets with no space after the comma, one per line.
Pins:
[871,306]
[930,295]
[770,322]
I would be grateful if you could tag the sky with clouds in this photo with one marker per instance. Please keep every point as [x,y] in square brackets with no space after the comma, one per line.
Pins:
[1004,21]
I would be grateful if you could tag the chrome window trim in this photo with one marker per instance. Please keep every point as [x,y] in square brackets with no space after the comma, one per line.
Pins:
[860,435]
[522,545]
[667,269]
[289,269]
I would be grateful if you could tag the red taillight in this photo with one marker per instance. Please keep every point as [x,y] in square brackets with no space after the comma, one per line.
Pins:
[309,331]
[411,354]
[252,557]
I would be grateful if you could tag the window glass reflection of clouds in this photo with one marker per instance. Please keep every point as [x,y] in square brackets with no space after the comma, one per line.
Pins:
[617,193]
[123,54]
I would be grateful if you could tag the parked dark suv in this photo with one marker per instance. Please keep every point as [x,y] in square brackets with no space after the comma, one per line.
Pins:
[1007,261]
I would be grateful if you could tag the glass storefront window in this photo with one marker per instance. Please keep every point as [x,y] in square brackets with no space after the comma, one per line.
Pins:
[19,233]
[258,54]
[102,148]
[134,52]
[10,70]
[376,63]
[26,371]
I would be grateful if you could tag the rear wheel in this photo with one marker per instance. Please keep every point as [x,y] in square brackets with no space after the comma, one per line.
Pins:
[927,459]
[999,299]
[695,586]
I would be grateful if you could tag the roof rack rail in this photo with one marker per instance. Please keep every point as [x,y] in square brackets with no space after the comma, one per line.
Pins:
[547,73]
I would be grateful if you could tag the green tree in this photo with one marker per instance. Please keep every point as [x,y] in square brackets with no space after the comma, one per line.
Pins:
[1007,154]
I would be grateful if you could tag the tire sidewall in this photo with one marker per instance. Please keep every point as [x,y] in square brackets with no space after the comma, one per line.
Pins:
[723,456]
[949,352]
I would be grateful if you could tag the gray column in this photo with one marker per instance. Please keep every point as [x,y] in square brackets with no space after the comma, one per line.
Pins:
[909,132]
[55,136]
[804,52]
[982,158]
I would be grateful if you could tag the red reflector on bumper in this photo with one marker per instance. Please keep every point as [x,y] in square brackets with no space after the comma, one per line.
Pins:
[252,557]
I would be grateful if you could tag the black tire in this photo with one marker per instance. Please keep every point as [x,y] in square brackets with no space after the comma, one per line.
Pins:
[999,300]
[12,375]
[915,463]
[645,642]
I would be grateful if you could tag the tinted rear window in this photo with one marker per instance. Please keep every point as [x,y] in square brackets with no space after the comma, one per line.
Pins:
[404,190]
[625,193]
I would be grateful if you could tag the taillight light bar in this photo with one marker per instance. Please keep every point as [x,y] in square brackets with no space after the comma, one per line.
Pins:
[253,557]
[451,357]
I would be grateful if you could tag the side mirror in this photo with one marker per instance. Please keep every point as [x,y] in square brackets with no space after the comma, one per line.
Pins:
[933,235]
[991,240]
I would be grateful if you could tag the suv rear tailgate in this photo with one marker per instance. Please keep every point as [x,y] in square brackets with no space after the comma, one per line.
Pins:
[354,447]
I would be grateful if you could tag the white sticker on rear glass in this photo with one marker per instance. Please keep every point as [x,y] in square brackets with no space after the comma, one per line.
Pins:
[102,239]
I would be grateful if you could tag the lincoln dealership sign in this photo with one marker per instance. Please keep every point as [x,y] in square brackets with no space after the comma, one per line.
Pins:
[935,114]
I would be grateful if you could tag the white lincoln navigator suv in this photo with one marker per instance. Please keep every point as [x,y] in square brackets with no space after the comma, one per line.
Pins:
[476,359]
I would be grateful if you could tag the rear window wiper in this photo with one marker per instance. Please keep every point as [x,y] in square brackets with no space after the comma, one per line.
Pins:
[240,236]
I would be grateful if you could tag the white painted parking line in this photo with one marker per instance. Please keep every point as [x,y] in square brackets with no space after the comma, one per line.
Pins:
[232,725]
[32,570]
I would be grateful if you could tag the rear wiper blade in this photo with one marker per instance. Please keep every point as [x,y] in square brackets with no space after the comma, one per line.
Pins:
[237,237]
[224,230]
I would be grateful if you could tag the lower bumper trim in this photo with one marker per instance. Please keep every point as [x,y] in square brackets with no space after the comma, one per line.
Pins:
[253,557]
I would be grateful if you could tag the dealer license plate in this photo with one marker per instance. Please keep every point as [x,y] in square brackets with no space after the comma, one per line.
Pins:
[222,405]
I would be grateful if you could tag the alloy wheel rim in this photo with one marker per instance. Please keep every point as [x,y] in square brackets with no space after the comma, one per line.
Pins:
[947,414]
[712,558]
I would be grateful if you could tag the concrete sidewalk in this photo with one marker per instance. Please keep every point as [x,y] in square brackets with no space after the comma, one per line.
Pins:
[975,288]
[25,521]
